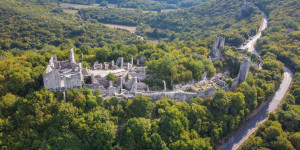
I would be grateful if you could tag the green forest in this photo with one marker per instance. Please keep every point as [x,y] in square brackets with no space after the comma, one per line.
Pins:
[282,39]
[25,26]
[281,132]
[32,117]
[200,22]
[154,5]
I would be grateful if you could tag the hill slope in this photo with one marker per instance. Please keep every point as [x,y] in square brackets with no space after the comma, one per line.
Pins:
[205,20]
[26,25]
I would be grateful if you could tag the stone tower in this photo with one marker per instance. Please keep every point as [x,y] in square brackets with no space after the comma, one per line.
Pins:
[72,58]
[244,70]
[218,44]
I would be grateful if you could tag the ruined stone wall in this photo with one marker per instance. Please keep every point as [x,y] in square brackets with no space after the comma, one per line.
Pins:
[180,96]
[218,44]
[52,80]
[72,82]
[65,64]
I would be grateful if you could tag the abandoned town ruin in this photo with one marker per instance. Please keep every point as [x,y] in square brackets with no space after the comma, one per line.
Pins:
[65,75]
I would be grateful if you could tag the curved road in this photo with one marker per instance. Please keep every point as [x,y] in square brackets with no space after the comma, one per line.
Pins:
[243,134]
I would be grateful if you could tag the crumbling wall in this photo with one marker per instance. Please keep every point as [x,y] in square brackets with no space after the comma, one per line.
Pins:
[52,79]
[218,44]
[72,82]
[180,96]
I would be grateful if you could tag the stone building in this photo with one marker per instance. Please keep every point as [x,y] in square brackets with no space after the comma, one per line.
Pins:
[63,75]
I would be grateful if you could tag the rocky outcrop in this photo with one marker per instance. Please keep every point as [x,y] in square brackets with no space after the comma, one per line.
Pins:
[245,11]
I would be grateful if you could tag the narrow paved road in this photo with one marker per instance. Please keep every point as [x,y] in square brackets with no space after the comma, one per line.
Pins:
[250,45]
[243,134]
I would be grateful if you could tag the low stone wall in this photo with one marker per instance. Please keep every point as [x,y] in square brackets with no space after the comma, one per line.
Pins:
[180,96]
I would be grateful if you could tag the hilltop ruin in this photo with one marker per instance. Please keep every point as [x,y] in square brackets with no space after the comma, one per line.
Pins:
[66,75]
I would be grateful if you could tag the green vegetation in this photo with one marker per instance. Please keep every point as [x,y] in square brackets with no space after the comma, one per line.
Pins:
[281,40]
[25,25]
[111,77]
[87,121]
[282,35]
[155,5]
[282,129]
[32,117]
[205,20]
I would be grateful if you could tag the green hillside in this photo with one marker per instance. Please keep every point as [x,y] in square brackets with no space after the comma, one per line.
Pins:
[32,117]
[26,25]
[205,20]
[283,39]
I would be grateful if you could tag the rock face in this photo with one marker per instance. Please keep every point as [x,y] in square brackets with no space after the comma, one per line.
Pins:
[244,70]
[245,11]
[204,75]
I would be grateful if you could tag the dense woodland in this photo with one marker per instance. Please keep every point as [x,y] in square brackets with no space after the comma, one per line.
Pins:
[282,38]
[155,5]
[282,131]
[200,22]
[32,117]
[25,26]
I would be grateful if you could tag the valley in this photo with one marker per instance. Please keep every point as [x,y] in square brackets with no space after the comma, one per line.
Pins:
[149,74]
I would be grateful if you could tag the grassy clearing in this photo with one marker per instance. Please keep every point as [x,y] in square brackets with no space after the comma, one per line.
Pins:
[131,29]
[77,6]
[70,11]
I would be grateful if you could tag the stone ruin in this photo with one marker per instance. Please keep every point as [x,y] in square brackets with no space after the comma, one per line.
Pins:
[65,75]
[243,73]
[218,44]
[244,70]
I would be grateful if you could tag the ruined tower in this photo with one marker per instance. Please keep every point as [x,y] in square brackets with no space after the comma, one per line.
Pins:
[218,44]
[244,70]
[72,58]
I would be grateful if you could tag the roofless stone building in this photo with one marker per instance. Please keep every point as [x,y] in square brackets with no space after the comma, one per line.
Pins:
[63,75]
